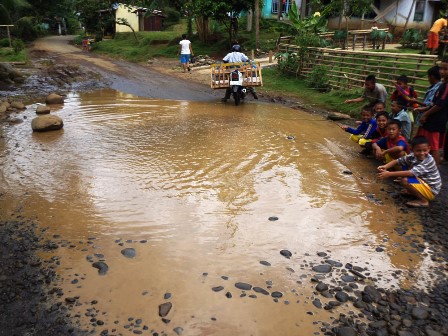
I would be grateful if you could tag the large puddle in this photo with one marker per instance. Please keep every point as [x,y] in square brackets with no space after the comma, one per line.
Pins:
[191,187]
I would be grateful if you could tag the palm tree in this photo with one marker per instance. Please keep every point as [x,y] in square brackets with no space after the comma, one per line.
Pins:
[9,6]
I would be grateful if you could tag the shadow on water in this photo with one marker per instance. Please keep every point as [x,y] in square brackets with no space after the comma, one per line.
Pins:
[190,187]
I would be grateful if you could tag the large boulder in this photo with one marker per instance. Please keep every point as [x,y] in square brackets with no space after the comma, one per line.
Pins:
[54,98]
[3,106]
[335,116]
[46,123]
[8,74]
[43,109]
[18,105]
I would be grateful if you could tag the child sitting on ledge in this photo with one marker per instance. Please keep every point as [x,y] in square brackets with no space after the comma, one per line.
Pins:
[363,133]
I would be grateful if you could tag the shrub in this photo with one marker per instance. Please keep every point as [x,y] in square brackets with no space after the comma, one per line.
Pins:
[4,43]
[172,16]
[25,29]
[18,45]
[318,78]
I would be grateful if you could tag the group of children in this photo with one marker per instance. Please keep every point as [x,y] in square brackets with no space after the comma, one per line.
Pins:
[387,136]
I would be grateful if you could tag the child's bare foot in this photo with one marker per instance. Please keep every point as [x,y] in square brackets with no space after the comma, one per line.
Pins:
[417,204]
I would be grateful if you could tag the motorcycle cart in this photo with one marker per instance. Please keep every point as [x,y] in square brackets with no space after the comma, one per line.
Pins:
[240,77]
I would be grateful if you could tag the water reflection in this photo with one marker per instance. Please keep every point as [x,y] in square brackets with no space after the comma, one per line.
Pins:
[199,181]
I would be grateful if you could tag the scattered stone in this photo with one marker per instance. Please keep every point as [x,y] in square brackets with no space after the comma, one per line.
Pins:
[348,278]
[346,331]
[129,252]
[341,296]
[334,263]
[347,172]
[324,268]
[54,98]
[243,286]
[18,105]
[165,308]
[43,109]
[217,289]
[321,287]
[276,295]
[178,330]
[46,123]
[228,295]
[286,253]
[101,266]
[419,313]
[273,218]
[261,290]
[321,254]
[265,263]
[317,303]
[167,296]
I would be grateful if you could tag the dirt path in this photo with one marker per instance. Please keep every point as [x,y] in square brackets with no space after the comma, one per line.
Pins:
[152,81]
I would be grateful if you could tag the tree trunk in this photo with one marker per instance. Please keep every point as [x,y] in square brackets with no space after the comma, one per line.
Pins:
[250,15]
[202,24]
[280,10]
[257,24]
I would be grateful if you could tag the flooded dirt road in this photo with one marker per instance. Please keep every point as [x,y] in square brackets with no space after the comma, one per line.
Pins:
[159,207]
[123,76]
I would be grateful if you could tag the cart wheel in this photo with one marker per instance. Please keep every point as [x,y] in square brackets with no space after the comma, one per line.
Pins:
[236,97]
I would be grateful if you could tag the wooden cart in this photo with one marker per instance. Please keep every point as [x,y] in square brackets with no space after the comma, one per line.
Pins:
[220,74]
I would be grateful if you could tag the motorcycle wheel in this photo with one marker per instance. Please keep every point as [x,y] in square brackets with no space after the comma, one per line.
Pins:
[236,97]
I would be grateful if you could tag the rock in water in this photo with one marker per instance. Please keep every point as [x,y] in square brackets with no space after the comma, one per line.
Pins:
[243,286]
[46,123]
[341,296]
[54,98]
[129,252]
[43,109]
[101,266]
[165,308]
[286,253]
[320,287]
[178,330]
[261,290]
[337,116]
[325,268]
[18,105]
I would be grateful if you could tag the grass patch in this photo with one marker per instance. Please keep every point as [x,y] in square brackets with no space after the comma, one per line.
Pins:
[8,55]
[275,82]
[166,43]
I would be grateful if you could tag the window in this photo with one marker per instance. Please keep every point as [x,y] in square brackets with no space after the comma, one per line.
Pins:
[419,10]
[286,6]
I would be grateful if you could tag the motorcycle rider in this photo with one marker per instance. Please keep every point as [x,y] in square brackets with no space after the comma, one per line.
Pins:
[235,56]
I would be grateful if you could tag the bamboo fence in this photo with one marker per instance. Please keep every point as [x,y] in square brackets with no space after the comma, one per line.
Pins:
[348,69]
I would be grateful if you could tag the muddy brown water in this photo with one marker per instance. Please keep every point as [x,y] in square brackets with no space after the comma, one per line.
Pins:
[190,186]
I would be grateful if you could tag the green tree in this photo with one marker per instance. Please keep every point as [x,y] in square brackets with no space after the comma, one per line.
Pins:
[10,7]
[220,10]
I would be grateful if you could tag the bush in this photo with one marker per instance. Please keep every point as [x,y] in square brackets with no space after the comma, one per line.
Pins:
[18,45]
[78,40]
[172,16]
[25,29]
[318,78]
[4,43]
